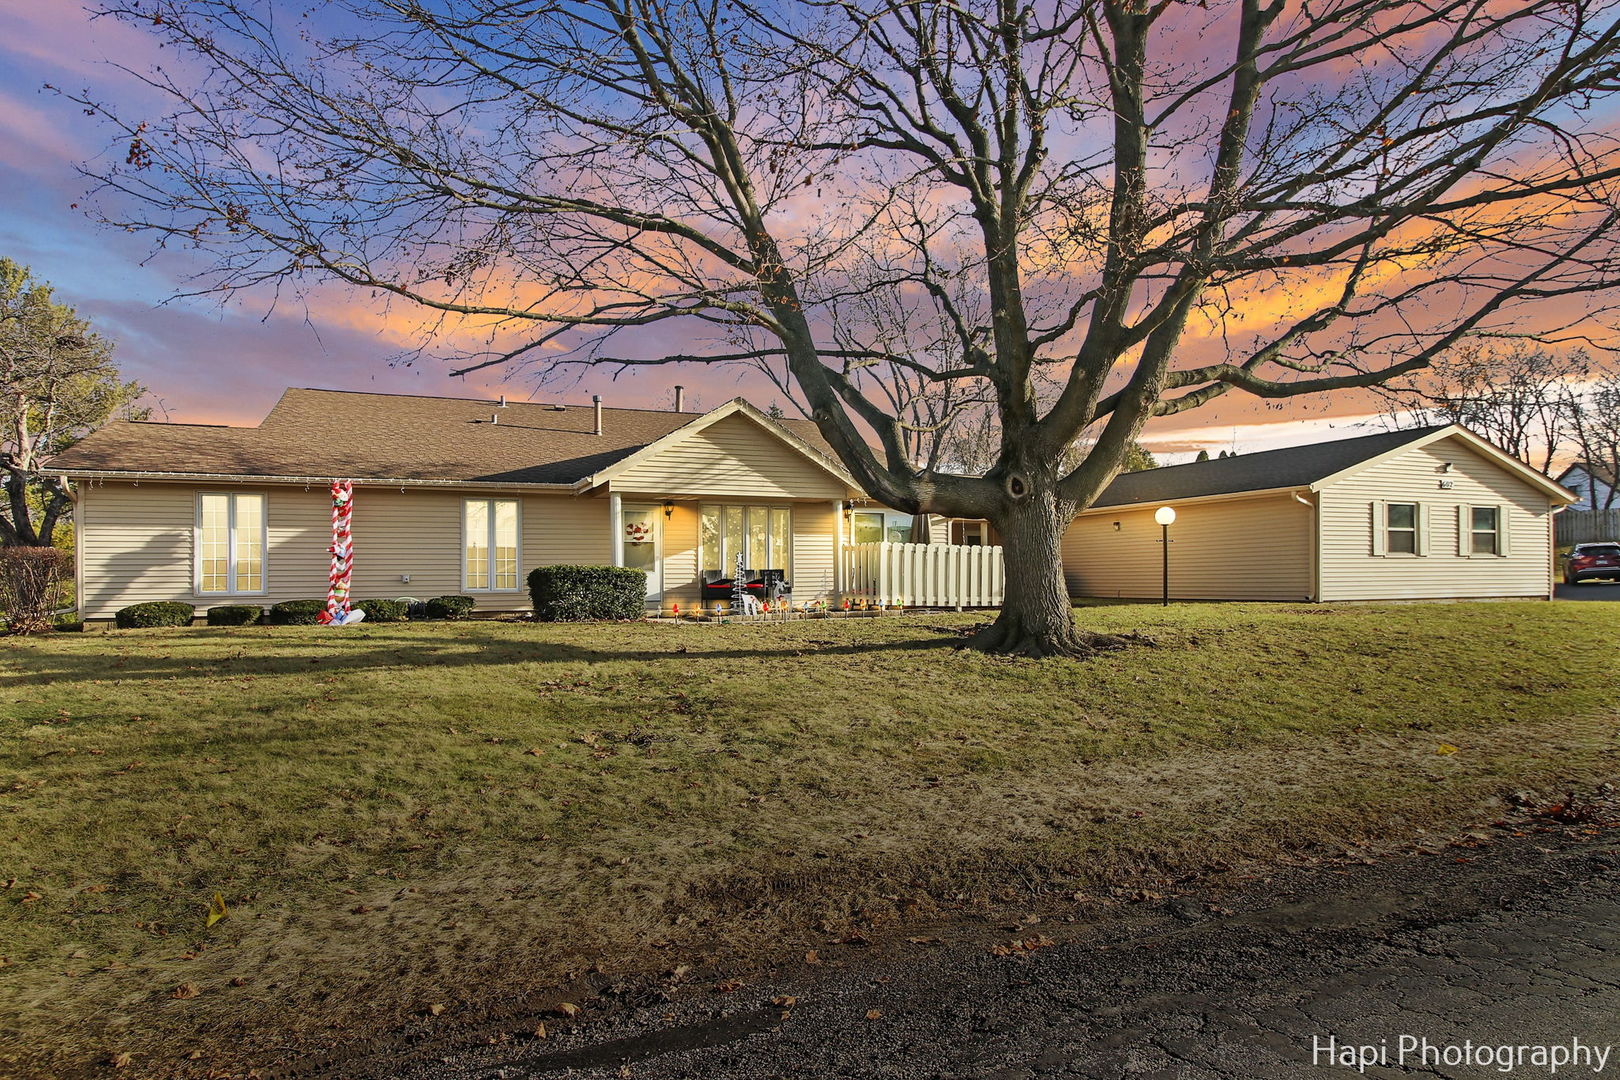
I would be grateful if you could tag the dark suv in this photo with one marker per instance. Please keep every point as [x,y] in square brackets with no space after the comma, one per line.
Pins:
[1588,561]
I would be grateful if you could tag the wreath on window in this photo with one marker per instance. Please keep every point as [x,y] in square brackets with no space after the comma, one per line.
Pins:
[637,532]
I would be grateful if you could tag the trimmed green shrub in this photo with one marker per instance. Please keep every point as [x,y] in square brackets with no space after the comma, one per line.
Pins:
[450,607]
[383,610]
[156,613]
[577,593]
[235,615]
[296,612]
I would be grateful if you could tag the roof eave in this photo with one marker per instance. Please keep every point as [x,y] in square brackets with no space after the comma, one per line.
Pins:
[252,478]
[1223,496]
[1556,491]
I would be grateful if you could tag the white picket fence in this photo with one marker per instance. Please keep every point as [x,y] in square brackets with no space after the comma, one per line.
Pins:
[924,575]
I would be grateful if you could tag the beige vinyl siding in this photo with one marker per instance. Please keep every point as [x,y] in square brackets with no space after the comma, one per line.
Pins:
[681,556]
[815,540]
[1351,570]
[136,543]
[1232,549]
[732,457]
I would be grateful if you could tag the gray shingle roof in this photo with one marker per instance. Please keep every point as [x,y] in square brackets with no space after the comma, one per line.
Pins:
[330,433]
[1295,466]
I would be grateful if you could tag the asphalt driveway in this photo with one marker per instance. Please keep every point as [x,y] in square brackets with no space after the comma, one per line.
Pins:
[1514,942]
[1591,590]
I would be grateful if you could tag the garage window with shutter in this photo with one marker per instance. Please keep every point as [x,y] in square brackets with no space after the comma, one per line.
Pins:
[1400,528]
[1481,531]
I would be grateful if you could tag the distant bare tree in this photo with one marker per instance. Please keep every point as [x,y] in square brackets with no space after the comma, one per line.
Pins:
[1151,204]
[1516,395]
[1592,418]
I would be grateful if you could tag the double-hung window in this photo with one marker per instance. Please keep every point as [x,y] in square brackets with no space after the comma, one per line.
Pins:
[230,543]
[489,531]
[1485,530]
[762,535]
[1401,528]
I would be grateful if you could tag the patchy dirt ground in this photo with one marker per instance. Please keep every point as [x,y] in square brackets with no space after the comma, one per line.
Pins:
[1505,935]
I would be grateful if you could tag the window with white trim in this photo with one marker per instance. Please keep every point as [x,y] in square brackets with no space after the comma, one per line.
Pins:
[230,543]
[762,534]
[1485,530]
[1401,528]
[489,545]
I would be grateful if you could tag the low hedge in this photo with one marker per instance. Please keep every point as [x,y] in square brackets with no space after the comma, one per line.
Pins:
[235,615]
[296,612]
[156,613]
[384,610]
[577,593]
[450,607]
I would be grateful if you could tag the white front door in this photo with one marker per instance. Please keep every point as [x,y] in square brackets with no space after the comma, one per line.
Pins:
[643,547]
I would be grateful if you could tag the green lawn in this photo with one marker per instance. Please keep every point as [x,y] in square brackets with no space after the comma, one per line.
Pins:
[467,815]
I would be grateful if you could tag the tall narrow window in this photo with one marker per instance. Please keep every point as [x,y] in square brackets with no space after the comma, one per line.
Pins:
[1486,530]
[489,529]
[1402,528]
[230,543]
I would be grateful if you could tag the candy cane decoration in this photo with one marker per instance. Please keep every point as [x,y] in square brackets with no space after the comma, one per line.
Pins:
[342,549]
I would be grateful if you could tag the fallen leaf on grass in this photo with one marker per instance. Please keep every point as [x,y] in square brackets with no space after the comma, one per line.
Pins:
[783,1001]
[30,897]
[539,1031]
[216,910]
[436,1009]
[567,1008]
[726,986]
[121,1060]
[1446,748]
[812,957]
[185,991]
[874,1014]
[924,940]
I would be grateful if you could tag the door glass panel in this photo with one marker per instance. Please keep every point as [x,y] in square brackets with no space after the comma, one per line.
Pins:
[214,574]
[758,527]
[475,527]
[781,536]
[249,543]
[709,539]
[506,541]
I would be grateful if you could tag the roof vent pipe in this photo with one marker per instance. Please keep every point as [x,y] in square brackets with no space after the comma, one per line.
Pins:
[502,402]
[494,417]
[680,399]
[596,401]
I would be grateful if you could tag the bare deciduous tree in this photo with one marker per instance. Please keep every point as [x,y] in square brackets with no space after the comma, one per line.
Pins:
[1519,396]
[1592,419]
[1149,204]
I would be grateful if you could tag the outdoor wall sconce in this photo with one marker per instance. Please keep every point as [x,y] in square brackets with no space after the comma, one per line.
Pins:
[1116,526]
[669,508]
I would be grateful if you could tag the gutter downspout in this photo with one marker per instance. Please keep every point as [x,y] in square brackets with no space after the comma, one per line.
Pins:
[1315,508]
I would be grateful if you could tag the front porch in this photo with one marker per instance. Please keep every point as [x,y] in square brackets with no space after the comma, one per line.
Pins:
[689,545]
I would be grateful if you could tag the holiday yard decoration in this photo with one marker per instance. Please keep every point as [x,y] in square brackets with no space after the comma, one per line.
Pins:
[338,612]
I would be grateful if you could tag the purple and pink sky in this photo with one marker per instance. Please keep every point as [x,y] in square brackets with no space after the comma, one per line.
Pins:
[208,360]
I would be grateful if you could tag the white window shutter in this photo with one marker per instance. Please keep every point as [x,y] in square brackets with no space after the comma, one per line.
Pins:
[1423,528]
[1502,531]
[1465,534]
[1378,528]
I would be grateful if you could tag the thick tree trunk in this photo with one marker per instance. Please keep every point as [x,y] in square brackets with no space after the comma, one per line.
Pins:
[1036,617]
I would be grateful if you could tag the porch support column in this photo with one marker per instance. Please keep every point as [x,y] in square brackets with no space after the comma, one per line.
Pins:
[838,551]
[616,523]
